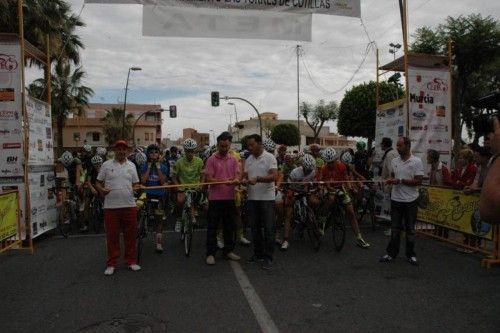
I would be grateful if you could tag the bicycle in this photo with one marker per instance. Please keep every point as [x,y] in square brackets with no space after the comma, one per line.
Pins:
[97,214]
[333,217]
[188,220]
[67,218]
[303,217]
[366,205]
[145,219]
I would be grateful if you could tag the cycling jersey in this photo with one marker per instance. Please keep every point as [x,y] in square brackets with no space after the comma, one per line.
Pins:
[336,171]
[154,179]
[297,175]
[286,169]
[72,170]
[319,162]
[188,172]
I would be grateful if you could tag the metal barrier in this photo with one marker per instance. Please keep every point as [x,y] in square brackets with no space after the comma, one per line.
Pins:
[453,217]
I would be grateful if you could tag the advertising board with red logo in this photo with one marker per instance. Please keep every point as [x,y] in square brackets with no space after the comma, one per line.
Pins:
[429,94]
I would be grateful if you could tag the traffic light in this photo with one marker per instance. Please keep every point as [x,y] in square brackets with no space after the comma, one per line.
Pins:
[173,111]
[215,98]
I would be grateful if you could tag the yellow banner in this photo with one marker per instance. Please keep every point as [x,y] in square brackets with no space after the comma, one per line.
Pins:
[8,215]
[454,210]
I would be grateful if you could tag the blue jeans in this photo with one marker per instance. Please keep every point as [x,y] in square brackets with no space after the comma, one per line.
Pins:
[262,218]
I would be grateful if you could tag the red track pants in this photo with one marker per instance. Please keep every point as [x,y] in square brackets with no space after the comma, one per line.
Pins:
[116,220]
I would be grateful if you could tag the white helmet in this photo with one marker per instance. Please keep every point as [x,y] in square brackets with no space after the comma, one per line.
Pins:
[308,162]
[346,158]
[140,158]
[96,160]
[306,150]
[87,148]
[189,144]
[101,151]
[269,145]
[329,154]
[66,158]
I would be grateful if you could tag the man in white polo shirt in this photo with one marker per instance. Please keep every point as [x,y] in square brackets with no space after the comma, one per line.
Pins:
[116,182]
[261,172]
[407,174]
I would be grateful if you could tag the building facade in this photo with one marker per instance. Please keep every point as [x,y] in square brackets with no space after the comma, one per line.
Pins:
[88,128]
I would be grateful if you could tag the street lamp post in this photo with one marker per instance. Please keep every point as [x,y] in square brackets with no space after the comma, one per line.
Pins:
[137,120]
[236,116]
[213,135]
[125,100]
[253,106]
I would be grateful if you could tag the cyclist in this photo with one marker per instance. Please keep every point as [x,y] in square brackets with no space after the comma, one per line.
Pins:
[101,151]
[315,152]
[361,157]
[140,159]
[283,174]
[187,170]
[304,173]
[96,161]
[280,158]
[153,173]
[336,171]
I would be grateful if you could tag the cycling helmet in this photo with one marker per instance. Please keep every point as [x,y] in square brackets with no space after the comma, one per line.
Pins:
[151,148]
[308,162]
[360,145]
[269,145]
[87,148]
[189,144]
[329,155]
[346,157]
[66,158]
[101,151]
[306,150]
[96,160]
[140,159]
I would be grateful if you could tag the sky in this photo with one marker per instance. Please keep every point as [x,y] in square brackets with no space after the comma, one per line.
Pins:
[183,71]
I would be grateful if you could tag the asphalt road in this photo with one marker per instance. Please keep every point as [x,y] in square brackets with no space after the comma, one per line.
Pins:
[61,288]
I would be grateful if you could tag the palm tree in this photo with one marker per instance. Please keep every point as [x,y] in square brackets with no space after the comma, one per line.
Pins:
[41,18]
[68,95]
[113,122]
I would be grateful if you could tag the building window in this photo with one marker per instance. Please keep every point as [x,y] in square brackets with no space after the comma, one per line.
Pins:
[146,136]
[96,136]
[76,136]
[90,113]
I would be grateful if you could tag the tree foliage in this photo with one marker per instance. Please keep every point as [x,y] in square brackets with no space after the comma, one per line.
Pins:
[113,123]
[476,60]
[316,115]
[286,134]
[357,109]
[68,94]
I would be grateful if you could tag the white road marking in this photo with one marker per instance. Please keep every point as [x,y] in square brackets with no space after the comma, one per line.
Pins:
[259,310]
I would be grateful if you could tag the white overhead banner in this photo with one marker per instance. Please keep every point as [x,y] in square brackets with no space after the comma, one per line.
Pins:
[430,112]
[164,21]
[330,7]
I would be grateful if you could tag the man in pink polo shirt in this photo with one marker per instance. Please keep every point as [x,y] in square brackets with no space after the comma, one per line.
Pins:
[221,166]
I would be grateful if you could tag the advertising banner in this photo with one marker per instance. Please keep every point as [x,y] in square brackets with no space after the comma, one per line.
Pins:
[454,210]
[167,21]
[429,92]
[329,7]
[41,167]
[8,215]
[11,137]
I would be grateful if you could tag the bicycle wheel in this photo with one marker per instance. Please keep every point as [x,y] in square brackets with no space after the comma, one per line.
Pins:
[64,220]
[338,228]
[141,234]
[313,230]
[188,235]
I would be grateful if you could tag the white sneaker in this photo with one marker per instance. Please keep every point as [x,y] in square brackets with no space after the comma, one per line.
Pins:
[210,260]
[244,241]
[232,256]
[135,267]
[109,271]
[159,248]
[220,243]
[178,226]
[284,246]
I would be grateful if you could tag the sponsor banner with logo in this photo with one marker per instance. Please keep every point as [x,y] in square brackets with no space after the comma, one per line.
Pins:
[11,137]
[41,146]
[8,215]
[454,210]
[430,112]
[41,167]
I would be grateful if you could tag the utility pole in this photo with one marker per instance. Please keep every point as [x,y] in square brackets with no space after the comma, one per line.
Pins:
[298,93]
